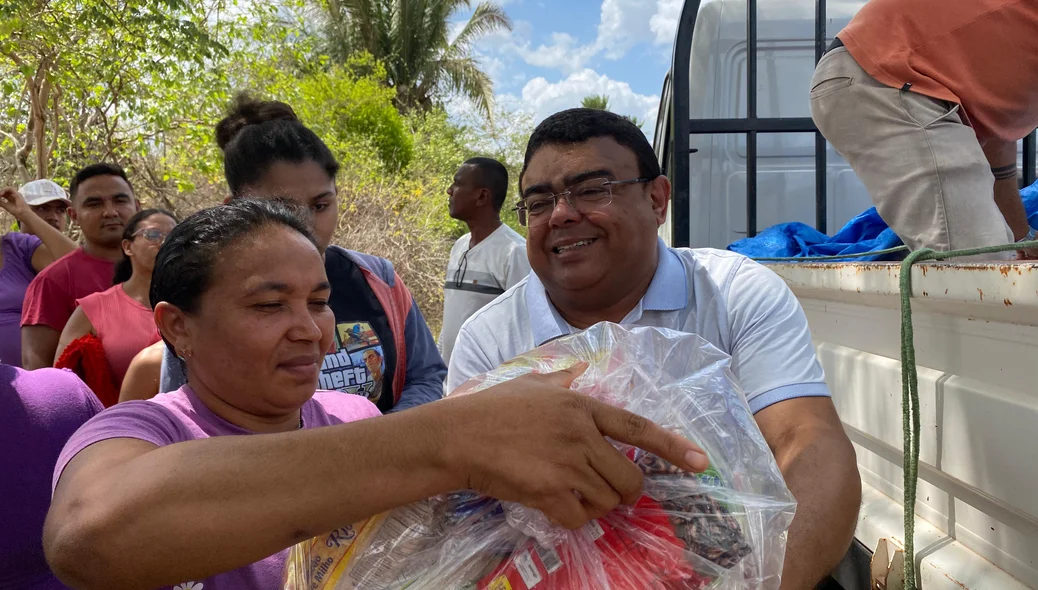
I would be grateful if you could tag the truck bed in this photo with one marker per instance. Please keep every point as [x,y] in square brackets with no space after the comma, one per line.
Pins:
[976,338]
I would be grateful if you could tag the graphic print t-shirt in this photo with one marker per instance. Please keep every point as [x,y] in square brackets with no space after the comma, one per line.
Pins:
[358,363]
[363,357]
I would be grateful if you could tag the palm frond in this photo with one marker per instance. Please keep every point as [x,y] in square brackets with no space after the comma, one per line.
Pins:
[411,38]
[336,28]
[595,101]
[486,19]
[463,76]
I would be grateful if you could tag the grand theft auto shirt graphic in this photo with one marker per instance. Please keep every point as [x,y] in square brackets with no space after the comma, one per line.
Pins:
[357,365]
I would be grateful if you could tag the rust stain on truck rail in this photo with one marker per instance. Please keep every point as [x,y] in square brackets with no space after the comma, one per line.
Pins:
[926,266]
[1020,269]
[952,579]
[1013,285]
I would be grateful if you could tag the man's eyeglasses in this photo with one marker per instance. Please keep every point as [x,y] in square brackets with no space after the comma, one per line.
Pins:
[583,197]
[152,235]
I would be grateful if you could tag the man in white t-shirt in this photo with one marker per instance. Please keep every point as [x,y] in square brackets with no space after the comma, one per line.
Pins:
[488,260]
[593,199]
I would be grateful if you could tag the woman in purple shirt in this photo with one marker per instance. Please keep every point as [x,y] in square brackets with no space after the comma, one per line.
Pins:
[22,255]
[159,493]
[39,411]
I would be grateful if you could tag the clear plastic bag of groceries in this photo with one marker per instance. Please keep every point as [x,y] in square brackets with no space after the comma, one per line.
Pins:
[724,529]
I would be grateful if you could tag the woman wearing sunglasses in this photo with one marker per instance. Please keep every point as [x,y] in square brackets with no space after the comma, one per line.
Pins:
[121,317]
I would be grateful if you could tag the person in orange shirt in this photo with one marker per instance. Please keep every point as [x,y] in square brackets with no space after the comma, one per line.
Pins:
[926,100]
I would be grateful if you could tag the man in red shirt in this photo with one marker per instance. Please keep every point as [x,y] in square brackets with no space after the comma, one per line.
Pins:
[102,203]
[926,99]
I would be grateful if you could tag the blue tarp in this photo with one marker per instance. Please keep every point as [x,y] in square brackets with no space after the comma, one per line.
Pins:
[1030,196]
[865,233]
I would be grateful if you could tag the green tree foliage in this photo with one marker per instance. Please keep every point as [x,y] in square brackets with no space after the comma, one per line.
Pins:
[595,101]
[413,39]
[601,103]
[96,77]
[349,106]
[143,83]
[351,112]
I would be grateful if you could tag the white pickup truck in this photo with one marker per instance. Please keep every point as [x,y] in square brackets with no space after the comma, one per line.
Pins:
[743,161]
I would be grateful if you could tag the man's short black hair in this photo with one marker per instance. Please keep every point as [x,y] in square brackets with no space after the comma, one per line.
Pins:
[102,169]
[579,125]
[491,175]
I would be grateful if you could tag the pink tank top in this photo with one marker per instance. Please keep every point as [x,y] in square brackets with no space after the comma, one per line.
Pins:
[122,324]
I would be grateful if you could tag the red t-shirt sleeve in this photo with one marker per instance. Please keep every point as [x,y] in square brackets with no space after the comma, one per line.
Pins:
[47,303]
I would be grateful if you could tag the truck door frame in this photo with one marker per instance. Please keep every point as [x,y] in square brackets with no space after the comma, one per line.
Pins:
[680,127]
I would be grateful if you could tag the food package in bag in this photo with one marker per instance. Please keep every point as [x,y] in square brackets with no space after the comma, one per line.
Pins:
[723,529]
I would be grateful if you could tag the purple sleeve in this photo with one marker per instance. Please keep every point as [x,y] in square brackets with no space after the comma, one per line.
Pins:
[91,405]
[142,420]
[23,247]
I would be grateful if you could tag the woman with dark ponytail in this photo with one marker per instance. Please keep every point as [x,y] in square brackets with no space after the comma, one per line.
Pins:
[121,317]
[269,154]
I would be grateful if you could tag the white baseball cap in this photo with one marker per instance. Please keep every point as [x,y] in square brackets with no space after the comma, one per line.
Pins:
[39,192]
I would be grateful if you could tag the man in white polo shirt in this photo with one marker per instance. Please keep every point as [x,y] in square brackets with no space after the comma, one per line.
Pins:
[593,199]
[488,260]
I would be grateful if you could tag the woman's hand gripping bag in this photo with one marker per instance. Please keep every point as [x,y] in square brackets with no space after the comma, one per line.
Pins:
[724,529]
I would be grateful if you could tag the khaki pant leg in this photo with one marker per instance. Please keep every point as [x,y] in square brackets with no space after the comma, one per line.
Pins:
[923,168]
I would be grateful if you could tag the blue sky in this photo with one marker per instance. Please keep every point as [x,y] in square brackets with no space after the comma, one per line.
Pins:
[562,50]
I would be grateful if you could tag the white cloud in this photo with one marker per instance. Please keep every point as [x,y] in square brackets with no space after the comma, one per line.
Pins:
[664,24]
[498,56]
[627,22]
[542,98]
[622,25]
[492,66]
[564,53]
[503,39]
